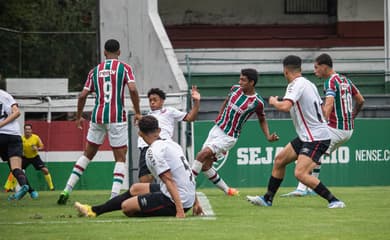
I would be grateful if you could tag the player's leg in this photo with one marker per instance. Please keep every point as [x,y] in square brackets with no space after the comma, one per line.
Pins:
[40,165]
[95,137]
[119,170]
[148,205]
[304,165]
[282,159]
[118,138]
[115,203]
[216,144]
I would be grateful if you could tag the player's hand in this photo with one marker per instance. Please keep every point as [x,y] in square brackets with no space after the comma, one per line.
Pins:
[137,117]
[197,210]
[273,137]
[180,214]
[195,93]
[272,100]
[79,123]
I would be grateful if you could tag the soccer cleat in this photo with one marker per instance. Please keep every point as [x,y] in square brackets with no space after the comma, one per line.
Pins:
[233,192]
[19,194]
[336,204]
[311,193]
[259,200]
[64,196]
[84,210]
[295,193]
[34,195]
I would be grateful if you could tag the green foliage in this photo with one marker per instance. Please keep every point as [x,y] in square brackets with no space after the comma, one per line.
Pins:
[34,51]
[367,216]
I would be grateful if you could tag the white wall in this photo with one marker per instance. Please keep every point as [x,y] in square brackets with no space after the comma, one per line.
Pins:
[144,43]
[224,12]
[360,10]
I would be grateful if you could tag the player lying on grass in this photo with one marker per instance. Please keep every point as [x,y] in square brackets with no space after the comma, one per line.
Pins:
[172,195]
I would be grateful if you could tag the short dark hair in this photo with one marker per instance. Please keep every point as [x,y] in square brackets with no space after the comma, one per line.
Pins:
[158,92]
[148,124]
[292,62]
[250,73]
[324,59]
[111,46]
[28,125]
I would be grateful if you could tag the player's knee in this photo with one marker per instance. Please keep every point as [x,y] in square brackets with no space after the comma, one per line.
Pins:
[299,174]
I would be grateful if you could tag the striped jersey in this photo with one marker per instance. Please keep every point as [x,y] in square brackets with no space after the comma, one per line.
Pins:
[342,89]
[238,109]
[306,111]
[109,80]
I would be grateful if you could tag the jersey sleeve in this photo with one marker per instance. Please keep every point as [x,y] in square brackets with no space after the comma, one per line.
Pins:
[129,74]
[260,109]
[294,91]
[176,114]
[89,82]
[330,87]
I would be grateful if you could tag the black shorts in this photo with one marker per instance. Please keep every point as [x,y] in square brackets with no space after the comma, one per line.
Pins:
[10,146]
[35,161]
[156,203]
[314,150]
[143,169]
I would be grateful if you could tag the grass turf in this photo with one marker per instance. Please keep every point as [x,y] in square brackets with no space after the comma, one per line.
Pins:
[367,216]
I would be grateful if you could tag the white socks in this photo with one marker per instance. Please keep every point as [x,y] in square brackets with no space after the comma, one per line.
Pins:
[117,181]
[77,171]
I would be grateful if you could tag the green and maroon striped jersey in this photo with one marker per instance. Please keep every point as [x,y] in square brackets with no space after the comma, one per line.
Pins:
[109,80]
[238,109]
[342,89]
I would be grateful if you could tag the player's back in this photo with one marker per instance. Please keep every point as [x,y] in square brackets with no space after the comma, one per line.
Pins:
[109,80]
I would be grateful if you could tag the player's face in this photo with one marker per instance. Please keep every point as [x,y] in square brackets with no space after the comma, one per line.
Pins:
[245,83]
[155,102]
[319,70]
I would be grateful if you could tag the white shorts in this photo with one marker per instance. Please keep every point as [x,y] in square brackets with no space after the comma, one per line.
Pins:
[117,134]
[337,138]
[219,142]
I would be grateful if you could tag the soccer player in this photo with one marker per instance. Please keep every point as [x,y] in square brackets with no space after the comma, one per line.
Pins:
[11,148]
[108,81]
[338,111]
[304,104]
[239,105]
[167,117]
[172,195]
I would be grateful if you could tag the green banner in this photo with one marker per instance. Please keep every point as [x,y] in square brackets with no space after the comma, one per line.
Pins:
[363,161]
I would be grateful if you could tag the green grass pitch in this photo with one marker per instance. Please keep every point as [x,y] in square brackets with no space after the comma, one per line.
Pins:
[367,216]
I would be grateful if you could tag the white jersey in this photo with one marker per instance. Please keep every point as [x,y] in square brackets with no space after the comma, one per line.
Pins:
[6,103]
[164,155]
[306,112]
[166,117]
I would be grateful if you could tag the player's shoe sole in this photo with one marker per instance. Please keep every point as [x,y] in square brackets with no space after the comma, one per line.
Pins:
[295,193]
[259,201]
[84,210]
[336,204]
